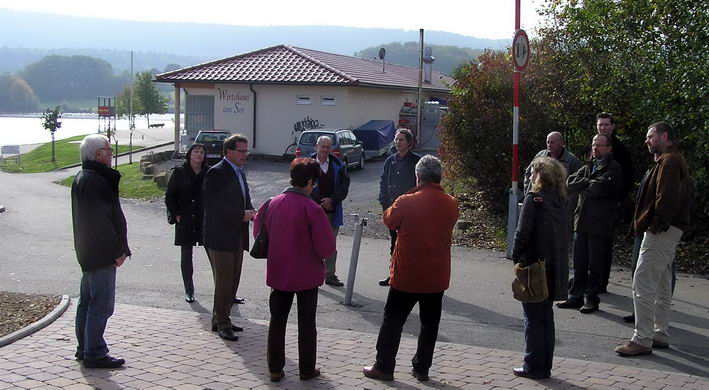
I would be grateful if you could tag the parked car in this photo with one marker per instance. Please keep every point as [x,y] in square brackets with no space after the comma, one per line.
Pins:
[213,141]
[344,145]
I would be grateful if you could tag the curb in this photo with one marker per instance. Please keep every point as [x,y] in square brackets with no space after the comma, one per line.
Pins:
[41,323]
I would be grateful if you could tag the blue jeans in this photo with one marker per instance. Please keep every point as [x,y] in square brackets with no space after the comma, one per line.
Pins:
[96,301]
[539,336]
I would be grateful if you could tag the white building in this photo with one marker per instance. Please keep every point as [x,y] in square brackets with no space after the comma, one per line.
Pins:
[270,93]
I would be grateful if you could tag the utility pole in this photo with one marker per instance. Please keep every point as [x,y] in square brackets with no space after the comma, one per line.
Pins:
[131,121]
[419,104]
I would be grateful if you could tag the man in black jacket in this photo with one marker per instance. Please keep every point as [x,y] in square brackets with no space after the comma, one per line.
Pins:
[606,125]
[227,212]
[398,177]
[598,185]
[101,244]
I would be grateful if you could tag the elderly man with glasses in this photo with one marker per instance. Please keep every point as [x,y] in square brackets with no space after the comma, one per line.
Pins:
[598,185]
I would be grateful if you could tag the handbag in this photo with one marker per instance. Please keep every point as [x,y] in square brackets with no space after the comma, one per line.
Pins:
[260,248]
[530,284]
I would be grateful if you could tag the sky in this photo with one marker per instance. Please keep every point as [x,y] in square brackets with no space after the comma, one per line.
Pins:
[477,18]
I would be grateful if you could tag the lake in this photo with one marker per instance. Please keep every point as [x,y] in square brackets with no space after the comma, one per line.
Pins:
[27,129]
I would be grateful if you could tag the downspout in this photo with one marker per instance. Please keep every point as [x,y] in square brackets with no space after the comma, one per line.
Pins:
[251,87]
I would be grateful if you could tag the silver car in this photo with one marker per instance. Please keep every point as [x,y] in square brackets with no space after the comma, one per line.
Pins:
[344,145]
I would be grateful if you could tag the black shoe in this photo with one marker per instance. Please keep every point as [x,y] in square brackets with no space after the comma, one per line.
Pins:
[189,298]
[79,355]
[567,304]
[629,318]
[277,376]
[239,301]
[314,374]
[334,281]
[588,308]
[234,328]
[384,282]
[419,377]
[107,361]
[227,334]
[520,371]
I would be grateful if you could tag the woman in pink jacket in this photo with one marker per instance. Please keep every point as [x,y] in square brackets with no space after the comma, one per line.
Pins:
[300,238]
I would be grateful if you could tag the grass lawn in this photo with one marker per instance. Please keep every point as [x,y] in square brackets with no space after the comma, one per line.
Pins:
[132,185]
[40,158]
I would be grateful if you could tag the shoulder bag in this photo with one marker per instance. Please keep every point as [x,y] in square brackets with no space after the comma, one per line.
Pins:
[260,248]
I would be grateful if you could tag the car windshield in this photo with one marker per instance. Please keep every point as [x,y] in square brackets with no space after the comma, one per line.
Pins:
[211,137]
[309,139]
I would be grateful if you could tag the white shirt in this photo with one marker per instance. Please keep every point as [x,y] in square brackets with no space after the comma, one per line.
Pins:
[324,165]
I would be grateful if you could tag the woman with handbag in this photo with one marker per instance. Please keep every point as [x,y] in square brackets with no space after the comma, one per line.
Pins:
[300,239]
[185,209]
[541,244]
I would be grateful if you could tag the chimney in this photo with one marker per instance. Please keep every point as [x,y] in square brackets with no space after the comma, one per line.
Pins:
[427,64]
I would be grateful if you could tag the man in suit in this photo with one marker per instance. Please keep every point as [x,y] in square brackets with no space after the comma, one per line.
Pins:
[227,212]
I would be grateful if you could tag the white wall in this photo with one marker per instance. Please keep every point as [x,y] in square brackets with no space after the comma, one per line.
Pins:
[277,111]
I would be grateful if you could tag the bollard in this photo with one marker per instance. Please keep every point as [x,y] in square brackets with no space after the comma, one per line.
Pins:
[360,224]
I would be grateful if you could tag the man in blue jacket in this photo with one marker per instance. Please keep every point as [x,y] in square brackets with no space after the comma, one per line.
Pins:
[331,191]
[101,244]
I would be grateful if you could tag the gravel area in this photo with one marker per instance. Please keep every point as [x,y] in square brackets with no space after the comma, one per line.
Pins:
[20,310]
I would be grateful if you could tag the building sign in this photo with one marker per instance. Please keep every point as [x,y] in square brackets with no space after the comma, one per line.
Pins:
[232,101]
[106,111]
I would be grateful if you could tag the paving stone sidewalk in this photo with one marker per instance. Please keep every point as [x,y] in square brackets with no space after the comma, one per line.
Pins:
[170,349]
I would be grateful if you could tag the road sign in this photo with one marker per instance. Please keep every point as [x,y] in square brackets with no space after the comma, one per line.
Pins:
[520,50]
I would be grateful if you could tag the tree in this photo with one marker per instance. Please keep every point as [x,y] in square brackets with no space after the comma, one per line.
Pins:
[448,58]
[50,121]
[16,95]
[56,77]
[151,101]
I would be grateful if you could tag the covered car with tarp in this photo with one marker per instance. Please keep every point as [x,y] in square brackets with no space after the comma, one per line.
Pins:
[377,137]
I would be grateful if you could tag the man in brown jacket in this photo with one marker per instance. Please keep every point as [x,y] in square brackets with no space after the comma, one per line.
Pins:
[662,213]
[420,269]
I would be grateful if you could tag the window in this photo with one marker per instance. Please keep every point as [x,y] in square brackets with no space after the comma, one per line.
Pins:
[327,100]
[300,99]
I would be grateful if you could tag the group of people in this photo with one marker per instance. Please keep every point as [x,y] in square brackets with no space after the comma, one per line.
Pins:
[212,206]
[560,189]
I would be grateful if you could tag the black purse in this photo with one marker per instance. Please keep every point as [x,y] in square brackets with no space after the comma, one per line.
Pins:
[260,248]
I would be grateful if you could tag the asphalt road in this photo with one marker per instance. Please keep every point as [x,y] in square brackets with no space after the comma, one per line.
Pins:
[36,256]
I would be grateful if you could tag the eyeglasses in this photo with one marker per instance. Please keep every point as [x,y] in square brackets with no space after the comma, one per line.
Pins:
[240,150]
[597,145]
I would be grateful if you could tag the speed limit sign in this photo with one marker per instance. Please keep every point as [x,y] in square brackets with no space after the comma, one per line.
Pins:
[520,50]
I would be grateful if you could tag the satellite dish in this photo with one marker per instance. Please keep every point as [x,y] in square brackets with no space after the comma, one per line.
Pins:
[382,53]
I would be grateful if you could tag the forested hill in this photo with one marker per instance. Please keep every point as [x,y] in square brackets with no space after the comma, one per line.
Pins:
[21,29]
[448,58]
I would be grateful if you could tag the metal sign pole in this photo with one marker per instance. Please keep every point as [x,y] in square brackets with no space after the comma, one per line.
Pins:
[360,224]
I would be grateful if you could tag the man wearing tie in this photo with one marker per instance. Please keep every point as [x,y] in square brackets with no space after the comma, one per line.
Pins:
[227,212]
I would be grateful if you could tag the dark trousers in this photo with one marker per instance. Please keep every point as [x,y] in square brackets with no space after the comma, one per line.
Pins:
[393,235]
[280,303]
[226,270]
[398,306]
[608,262]
[97,296]
[187,268]
[539,337]
[589,257]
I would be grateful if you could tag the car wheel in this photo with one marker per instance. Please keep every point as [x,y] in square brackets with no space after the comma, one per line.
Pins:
[361,162]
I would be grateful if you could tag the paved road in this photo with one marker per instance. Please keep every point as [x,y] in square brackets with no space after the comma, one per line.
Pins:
[36,255]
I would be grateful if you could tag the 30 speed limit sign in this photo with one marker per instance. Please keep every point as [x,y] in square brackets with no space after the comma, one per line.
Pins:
[520,50]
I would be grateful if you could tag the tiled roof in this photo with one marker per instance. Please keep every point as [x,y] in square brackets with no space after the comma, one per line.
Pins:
[284,64]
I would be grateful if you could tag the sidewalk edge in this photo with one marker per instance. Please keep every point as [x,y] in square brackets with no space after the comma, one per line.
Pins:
[39,324]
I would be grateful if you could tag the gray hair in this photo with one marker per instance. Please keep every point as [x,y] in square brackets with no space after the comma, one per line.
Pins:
[322,137]
[90,145]
[429,169]
[561,136]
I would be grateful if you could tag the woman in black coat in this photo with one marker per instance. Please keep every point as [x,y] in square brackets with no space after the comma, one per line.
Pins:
[185,209]
[543,234]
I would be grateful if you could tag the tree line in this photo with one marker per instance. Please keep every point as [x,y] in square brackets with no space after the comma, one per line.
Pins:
[57,78]
[642,61]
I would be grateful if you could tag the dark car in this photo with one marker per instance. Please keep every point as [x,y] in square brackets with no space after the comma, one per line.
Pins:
[213,141]
[344,145]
